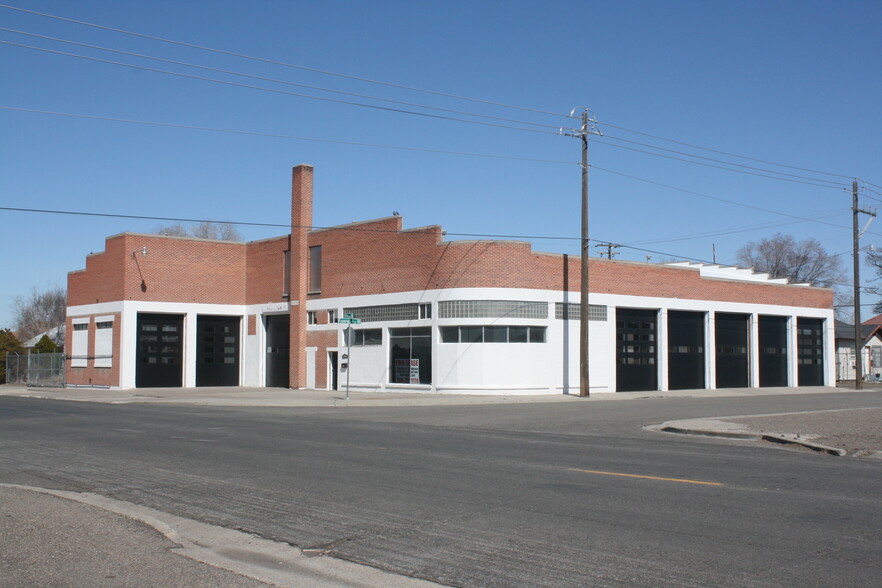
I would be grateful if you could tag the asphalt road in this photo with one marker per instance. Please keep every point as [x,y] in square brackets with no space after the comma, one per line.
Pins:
[527,495]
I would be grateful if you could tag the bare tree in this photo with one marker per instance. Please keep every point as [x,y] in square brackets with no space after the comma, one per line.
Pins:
[40,313]
[203,230]
[800,262]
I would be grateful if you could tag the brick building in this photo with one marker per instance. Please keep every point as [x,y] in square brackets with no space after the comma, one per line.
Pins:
[436,316]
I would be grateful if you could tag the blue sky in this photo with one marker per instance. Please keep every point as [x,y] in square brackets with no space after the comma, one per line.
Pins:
[797,83]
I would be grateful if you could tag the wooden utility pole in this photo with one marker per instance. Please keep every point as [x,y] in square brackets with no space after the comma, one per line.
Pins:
[584,388]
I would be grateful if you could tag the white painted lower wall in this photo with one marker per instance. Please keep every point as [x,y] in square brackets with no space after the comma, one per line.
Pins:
[511,368]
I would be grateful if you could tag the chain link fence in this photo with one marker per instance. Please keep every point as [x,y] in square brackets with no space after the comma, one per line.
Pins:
[44,370]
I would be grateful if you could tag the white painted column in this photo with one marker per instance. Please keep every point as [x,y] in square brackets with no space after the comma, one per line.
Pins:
[662,348]
[753,351]
[710,348]
[128,343]
[792,359]
[189,341]
[614,343]
[830,352]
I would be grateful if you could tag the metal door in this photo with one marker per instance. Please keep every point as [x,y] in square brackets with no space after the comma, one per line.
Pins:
[160,351]
[636,350]
[685,350]
[277,356]
[217,350]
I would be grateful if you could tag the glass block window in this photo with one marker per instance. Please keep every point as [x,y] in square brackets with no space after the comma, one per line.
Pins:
[493,334]
[571,311]
[386,312]
[492,309]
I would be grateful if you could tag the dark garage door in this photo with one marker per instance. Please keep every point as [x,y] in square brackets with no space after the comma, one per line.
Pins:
[160,351]
[773,350]
[731,353]
[810,341]
[217,350]
[636,350]
[685,350]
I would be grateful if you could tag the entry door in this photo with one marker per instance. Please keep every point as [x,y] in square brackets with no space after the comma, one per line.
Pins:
[277,341]
[160,351]
[217,350]
[332,363]
[636,350]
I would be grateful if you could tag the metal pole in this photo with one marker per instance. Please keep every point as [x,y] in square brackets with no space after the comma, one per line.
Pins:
[584,388]
[348,357]
[858,340]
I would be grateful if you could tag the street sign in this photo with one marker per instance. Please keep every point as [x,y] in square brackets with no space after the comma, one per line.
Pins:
[348,320]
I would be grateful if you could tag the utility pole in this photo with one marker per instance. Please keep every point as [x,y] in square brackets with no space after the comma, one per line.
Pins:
[858,339]
[609,249]
[582,133]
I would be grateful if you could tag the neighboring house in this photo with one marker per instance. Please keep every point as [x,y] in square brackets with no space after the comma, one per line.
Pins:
[871,341]
[435,316]
[55,333]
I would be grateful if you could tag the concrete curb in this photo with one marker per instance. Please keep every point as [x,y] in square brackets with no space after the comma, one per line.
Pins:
[726,430]
[273,562]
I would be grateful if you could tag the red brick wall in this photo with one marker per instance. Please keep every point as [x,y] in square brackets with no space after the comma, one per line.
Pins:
[322,340]
[174,270]
[373,257]
[90,375]
[266,270]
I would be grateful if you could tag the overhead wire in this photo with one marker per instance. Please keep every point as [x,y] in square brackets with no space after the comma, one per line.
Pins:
[281,63]
[278,81]
[278,91]
[281,136]
[402,86]
[834,183]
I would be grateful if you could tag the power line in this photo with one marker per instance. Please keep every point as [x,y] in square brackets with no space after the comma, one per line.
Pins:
[685,144]
[717,198]
[278,81]
[715,166]
[743,229]
[417,149]
[280,136]
[281,63]
[834,184]
[277,91]
[405,87]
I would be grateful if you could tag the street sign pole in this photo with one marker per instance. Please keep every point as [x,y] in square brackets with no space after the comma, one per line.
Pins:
[349,334]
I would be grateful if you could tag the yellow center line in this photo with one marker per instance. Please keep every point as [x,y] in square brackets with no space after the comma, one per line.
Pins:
[646,477]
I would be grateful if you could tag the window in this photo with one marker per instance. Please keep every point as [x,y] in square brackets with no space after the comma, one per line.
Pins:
[103,342]
[492,334]
[332,316]
[315,269]
[286,284]
[79,353]
[311,317]
[366,337]
[386,312]
[426,311]
[492,309]
[572,311]
[410,355]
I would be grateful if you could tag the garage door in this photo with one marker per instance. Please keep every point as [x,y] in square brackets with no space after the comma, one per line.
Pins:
[217,350]
[160,351]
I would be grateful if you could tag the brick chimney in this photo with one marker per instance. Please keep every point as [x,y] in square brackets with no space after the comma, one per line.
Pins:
[301,223]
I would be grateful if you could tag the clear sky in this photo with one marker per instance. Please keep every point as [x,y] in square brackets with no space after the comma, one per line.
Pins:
[791,82]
